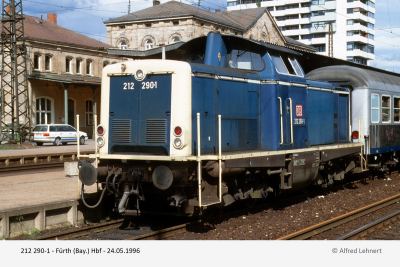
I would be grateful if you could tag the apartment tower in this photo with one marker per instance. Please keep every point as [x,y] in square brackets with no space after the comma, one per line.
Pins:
[340,28]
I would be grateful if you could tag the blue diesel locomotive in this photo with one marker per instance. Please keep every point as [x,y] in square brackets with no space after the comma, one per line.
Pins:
[235,119]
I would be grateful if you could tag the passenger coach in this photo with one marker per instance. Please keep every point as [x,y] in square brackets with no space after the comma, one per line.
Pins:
[375,108]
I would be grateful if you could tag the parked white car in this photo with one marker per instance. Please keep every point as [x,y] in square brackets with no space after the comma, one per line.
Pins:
[57,134]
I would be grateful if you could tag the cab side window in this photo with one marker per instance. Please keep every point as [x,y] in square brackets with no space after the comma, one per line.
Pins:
[286,64]
[240,59]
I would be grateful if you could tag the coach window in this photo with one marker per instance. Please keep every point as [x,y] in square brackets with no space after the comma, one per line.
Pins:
[396,109]
[385,108]
[43,111]
[374,108]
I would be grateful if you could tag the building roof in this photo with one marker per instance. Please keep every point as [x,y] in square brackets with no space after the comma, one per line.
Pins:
[39,29]
[240,19]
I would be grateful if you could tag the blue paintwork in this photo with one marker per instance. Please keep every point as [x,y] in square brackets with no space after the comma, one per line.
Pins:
[249,105]
[381,150]
[215,54]
[139,105]
[250,111]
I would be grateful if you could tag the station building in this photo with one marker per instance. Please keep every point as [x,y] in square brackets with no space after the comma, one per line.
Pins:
[64,73]
[174,22]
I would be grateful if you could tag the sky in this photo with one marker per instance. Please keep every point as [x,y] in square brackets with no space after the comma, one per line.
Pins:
[88,16]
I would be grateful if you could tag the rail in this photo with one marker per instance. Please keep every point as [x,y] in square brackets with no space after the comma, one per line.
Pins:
[329,224]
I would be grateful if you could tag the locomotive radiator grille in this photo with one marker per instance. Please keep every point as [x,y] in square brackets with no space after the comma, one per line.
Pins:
[156,131]
[121,131]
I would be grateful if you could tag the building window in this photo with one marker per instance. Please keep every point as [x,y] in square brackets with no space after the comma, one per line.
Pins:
[36,62]
[149,44]
[121,27]
[88,67]
[385,108]
[176,39]
[374,108]
[89,113]
[350,22]
[47,63]
[350,46]
[148,25]
[320,48]
[68,62]
[78,66]
[350,11]
[43,111]
[122,45]
[175,22]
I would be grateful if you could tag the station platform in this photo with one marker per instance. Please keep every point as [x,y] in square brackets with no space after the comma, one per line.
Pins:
[24,188]
[47,149]
[28,192]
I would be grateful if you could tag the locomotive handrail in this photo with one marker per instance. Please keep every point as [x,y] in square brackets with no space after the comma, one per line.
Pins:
[291,122]
[281,119]
[219,159]
[198,158]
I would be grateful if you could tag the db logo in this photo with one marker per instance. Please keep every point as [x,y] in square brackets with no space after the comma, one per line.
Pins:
[299,111]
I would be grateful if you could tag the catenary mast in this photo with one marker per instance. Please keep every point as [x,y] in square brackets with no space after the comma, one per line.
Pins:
[15,117]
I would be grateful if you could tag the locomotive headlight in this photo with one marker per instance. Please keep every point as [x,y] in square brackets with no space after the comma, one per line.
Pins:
[178,143]
[100,141]
[139,75]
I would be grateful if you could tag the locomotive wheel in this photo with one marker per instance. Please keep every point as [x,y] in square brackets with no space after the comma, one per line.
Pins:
[250,202]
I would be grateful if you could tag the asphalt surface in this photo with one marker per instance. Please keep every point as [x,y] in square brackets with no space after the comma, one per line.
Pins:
[28,188]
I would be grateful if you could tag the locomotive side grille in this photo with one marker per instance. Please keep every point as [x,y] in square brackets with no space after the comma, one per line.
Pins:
[121,131]
[156,131]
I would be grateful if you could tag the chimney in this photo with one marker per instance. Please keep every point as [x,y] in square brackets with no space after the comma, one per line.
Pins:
[8,9]
[156,3]
[52,17]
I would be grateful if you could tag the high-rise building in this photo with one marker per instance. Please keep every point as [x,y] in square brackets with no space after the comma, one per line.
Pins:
[340,28]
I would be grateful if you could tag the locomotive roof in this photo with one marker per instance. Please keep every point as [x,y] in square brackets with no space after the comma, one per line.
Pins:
[356,77]
[238,41]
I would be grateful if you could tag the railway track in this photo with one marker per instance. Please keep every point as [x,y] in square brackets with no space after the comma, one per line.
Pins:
[102,227]
[335,222]
[78,232]
[32,162]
